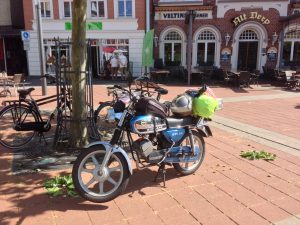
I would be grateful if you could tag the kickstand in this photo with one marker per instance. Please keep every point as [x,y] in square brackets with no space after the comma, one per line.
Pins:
[161,170]
[41,135]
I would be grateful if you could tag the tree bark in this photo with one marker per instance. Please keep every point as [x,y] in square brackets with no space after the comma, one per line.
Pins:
[78,130]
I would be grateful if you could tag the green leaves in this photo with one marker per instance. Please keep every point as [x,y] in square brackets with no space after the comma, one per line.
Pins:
[60,185]
[252,155]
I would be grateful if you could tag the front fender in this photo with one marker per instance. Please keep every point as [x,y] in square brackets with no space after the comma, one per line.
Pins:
[116,149]
[205,131]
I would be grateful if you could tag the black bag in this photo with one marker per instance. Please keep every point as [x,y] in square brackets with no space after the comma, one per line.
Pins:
[151,106]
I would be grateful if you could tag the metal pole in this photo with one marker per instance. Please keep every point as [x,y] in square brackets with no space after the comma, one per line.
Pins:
[41,48]
[281,39]
[147,24]
[189,46]
[4,51]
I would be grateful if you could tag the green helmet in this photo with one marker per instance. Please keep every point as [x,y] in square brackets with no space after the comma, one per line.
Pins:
[204,106]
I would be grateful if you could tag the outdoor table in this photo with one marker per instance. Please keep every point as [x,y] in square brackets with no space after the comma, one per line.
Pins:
[5,82]
[196,73]
[159,74]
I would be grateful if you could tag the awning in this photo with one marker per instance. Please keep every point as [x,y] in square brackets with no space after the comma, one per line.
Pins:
[8,31]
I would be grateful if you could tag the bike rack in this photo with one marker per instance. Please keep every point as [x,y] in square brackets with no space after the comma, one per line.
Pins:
[63,73]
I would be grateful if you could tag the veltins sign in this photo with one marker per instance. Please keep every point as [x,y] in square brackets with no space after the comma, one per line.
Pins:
[252,15]
[180,15]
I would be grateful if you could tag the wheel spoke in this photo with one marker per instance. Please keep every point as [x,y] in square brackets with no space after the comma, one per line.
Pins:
[90,182]
[112,181]
[117,168]
[101,185]
[87,170]
[95,160]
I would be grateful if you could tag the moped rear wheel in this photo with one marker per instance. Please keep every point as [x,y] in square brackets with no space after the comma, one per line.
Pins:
[11,116]
[95,185]
[191,167]
[105,128]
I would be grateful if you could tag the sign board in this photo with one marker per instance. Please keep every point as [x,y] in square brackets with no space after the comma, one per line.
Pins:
[180,15]
[252,16]
[89,26]
[26,45]
[25,35]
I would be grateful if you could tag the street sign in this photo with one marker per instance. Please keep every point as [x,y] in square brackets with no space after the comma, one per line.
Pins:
[25,35]
[26,45]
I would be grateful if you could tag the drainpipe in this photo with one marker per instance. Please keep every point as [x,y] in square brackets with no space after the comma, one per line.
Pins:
[281,39]
[41,48]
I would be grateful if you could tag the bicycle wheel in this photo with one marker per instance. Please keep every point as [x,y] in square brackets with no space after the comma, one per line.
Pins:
[9,117]
[105,128]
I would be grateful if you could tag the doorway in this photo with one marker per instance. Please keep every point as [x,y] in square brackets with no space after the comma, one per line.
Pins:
[247,58]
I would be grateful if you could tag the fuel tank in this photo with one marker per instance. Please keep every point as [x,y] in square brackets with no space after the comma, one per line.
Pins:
[147,124]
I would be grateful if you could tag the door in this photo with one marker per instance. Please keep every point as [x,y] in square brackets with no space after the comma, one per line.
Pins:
[247,58]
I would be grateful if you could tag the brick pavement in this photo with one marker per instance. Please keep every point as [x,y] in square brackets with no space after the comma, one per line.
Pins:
[225,190]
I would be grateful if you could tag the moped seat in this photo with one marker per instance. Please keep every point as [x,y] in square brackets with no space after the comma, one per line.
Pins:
[173,122]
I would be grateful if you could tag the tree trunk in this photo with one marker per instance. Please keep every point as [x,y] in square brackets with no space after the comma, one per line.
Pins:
[78,130]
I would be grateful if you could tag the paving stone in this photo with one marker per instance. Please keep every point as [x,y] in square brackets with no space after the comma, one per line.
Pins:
[270,211]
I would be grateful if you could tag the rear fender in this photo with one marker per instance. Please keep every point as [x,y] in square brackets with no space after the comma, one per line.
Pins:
[116,149]
[205,131]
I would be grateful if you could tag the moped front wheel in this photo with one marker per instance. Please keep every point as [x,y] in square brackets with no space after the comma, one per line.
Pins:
[187,168]
[98,185]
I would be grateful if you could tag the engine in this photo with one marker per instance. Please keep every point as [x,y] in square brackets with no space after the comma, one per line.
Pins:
[147,151]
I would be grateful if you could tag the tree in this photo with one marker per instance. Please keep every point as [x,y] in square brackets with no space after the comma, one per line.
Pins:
[79,136]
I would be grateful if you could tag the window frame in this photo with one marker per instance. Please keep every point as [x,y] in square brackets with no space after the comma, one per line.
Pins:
[292,40]
[90,9]
[63,9]
[50,8]
[116,10]
[206,42]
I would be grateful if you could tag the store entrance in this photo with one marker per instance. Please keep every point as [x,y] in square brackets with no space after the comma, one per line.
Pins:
[247,58]
[95,61]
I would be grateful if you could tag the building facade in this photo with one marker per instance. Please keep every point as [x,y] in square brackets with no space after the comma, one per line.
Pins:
[12,56]
[232,34]
[111,25]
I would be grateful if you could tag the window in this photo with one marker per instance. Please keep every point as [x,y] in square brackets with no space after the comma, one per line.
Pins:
[249,35]
[68,8]
[125,8]
[291,47]
[206,48]
[45,8]
[97,9]
[172,48]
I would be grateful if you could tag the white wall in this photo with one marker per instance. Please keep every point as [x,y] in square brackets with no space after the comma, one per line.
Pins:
[125,29]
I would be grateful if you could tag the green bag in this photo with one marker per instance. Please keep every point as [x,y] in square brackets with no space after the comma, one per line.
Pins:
[204,106]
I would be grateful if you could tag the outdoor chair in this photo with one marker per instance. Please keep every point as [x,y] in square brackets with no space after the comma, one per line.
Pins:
[244,79]
[279,77]
[17,82]
[254,77]
[229,77]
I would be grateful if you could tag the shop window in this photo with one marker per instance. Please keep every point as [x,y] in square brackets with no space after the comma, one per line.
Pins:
[125,8]
[97,9]
[45,8]
[172,48]
[206,48]
[68,8]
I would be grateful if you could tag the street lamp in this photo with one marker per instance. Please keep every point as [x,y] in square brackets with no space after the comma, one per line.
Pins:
[227,38]
[274,38]
[41,46]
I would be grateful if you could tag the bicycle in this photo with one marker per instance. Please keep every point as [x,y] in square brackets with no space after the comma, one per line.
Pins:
[21,120]
[108,111]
